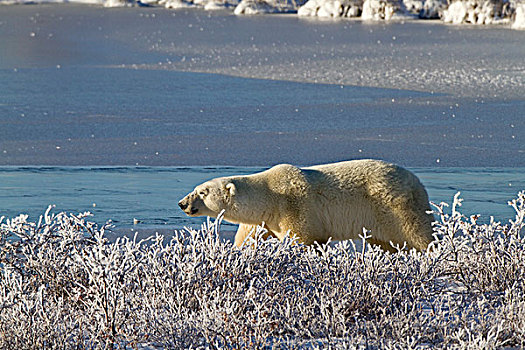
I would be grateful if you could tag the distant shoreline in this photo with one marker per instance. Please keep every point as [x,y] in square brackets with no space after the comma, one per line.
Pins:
[502,13]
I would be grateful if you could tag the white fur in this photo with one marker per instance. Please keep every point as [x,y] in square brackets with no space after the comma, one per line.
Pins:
[316,203]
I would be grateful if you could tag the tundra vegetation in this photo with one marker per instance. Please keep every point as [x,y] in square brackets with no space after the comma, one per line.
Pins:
[63,284]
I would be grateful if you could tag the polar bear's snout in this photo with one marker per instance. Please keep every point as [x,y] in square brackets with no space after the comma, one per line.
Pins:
[190,204]
[187,208]
[183,205]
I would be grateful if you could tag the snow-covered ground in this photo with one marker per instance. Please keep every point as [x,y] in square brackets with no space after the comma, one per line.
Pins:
[508,12]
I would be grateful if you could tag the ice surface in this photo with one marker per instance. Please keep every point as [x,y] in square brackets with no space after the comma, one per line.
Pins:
[84,85]
[406,55]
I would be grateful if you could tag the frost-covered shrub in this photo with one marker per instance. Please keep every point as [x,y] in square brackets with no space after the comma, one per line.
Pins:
[64,285]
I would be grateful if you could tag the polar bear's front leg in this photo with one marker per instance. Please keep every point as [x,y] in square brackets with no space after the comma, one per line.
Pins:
[245,230]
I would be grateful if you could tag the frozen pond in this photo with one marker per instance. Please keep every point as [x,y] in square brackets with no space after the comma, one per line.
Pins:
[204,94]
[92,86]
[86,85]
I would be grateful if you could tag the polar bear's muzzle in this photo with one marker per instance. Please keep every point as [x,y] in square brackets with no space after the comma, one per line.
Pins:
[189,205]
[187,209]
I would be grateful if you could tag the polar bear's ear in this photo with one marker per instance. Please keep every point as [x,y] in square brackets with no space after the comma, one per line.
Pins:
[231,188]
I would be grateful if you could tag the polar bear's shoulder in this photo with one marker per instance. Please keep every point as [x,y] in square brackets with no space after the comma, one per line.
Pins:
[285,178]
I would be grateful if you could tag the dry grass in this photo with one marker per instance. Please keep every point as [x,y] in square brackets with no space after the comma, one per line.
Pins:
[64,285]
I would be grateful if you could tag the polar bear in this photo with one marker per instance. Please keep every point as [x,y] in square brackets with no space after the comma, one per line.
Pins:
[321,202]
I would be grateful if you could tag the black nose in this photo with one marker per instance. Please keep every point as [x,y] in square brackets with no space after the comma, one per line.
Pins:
[183,206]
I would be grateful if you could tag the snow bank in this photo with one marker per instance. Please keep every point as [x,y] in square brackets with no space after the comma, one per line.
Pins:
[474,12]
[117,3]
[22,2]
[205,4]
[252,7]
[378,9]
[459,11]
[432,9]
[177,4]
[519,20]
[105,3]
[173,4]
[373,9]
[331,8]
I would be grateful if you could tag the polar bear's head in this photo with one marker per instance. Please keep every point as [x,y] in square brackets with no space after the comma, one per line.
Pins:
[210,198]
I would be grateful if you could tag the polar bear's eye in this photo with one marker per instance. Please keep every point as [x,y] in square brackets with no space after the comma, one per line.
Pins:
[203,193]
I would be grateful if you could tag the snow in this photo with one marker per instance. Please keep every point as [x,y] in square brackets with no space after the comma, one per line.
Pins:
[205,4]
[473,12]
[177,4]
[253,7]
[116,3]
[519,20]
[378,9]
[22,2]
[458,12]
[330,8]
[432,9]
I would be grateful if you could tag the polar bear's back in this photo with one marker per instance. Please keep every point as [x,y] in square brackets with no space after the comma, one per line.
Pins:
[383,197]
[375,177]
